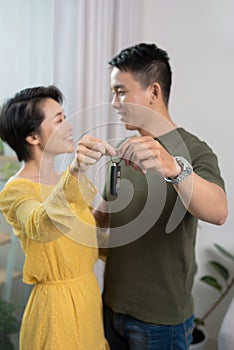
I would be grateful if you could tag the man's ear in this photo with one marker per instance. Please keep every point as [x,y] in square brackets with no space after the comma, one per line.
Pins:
[32,139]
[155,92]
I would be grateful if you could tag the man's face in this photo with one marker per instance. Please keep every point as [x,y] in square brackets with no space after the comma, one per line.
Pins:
[129,99]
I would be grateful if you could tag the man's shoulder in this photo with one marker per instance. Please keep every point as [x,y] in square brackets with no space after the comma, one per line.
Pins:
[192,140]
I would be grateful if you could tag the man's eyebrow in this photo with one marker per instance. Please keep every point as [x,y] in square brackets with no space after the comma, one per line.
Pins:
[118,86]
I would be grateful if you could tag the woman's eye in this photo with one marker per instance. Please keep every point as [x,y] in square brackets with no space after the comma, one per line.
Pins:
[121,92]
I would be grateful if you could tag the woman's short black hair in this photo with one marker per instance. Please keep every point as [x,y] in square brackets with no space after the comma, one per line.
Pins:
[22,115]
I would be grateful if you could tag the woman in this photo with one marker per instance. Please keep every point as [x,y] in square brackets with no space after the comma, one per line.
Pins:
[50,213]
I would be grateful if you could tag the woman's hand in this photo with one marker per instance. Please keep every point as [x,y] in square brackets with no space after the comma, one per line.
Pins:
[89,150]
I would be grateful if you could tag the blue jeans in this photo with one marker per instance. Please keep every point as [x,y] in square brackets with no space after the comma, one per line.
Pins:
[124,332]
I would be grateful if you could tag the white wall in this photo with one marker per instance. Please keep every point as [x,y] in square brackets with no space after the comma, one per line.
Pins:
[26,44]
[199,38]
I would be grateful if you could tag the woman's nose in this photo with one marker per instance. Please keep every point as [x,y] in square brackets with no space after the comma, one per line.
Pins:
[68,125]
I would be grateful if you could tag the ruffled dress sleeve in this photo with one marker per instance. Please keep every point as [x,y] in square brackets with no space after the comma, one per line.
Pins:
[45,217]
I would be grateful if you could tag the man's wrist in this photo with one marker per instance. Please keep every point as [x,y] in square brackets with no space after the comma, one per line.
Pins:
[178,171]
[186,170]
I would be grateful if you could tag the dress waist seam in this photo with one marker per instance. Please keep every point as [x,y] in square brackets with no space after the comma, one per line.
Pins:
[72,280]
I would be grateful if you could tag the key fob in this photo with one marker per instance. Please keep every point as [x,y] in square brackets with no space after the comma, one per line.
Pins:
[115,179]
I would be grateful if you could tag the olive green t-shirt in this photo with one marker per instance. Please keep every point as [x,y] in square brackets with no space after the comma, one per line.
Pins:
[150,266]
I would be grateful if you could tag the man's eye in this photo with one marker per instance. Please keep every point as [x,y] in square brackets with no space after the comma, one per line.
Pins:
[121,92]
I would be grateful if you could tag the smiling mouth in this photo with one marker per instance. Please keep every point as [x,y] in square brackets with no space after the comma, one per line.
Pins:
[121,114]
[69,139]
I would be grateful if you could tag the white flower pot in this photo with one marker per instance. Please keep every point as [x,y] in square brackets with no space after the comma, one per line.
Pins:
[202,344]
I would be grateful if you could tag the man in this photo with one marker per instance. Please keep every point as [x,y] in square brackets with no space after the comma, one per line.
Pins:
[169,180]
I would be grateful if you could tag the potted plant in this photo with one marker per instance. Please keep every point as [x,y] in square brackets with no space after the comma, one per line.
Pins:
[9,163]
[1,147]
[7,169]
[223,285]
[8,324]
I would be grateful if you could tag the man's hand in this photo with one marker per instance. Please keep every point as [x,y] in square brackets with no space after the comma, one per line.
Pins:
[144,153]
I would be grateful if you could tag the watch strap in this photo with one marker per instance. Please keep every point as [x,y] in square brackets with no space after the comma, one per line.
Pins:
[186,168]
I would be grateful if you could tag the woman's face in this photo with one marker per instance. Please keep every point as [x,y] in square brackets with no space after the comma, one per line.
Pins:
[55,132]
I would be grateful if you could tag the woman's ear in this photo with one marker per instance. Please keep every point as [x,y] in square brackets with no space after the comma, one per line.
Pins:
[32,139]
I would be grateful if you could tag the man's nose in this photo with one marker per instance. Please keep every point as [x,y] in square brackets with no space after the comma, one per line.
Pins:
[115,102]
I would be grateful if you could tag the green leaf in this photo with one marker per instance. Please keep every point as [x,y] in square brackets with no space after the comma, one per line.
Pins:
[198,322]
[224,251]
[222,270]
[8,320]
[211,281]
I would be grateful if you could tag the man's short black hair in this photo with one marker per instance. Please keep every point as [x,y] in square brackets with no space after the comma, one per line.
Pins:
[148,64]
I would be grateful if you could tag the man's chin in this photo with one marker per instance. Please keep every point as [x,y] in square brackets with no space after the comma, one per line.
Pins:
[131,127]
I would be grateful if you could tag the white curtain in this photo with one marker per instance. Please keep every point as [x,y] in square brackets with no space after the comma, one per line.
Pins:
[26,43]
[87,34]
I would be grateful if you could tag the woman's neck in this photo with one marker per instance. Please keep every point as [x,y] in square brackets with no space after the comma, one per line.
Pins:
[41,171]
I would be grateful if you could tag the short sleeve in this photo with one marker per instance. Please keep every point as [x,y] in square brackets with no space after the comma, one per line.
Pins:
[205,164]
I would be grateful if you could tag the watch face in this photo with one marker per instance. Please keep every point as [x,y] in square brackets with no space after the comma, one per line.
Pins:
[187,170]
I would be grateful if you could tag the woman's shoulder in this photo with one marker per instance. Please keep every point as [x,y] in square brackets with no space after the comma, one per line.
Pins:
[17,185]
[20,181]
[15,191]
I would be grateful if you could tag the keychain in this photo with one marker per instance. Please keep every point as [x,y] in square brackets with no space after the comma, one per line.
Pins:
[115,177]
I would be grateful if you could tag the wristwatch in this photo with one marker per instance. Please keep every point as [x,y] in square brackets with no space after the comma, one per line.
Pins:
[186,168]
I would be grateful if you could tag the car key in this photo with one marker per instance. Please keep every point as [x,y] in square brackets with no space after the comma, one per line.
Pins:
[115,178]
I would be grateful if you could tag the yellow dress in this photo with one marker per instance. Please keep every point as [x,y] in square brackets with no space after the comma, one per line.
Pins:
[57,233]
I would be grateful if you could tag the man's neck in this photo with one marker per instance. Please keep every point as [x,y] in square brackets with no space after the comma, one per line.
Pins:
[157,124]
